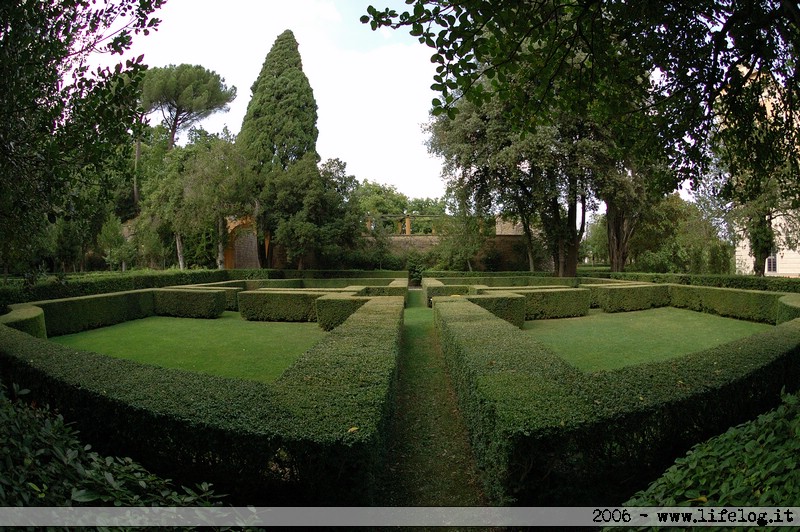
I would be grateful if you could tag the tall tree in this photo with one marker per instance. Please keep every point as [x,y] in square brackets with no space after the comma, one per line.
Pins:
[185,94]
[280,125]
[59,115]
[690,57]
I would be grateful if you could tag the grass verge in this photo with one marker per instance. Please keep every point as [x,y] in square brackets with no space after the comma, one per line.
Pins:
[227,346]
[602,341]
[430,459]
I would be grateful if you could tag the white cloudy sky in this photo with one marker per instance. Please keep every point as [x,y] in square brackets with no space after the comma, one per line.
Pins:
[372,88]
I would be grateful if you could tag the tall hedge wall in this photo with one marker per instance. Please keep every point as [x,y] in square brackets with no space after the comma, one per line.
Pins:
[545,433]
[315,436]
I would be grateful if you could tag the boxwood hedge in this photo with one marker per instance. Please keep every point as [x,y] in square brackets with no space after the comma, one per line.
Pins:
[625,298]
[315,436]
[279,305]
[75,314]
[545,433]
[28,319]
[195,303]
[333,309]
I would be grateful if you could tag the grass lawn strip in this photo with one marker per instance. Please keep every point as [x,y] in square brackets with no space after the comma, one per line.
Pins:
[228,346]
[608,341]
[430,460]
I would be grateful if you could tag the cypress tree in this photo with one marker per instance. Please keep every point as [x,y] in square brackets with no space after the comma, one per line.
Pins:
[279,128]
[280,125]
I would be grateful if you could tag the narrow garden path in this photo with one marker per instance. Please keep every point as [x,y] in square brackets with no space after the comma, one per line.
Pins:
[430,460]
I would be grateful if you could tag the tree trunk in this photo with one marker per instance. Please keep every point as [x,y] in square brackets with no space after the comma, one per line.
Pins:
[619,228]
[221,244]
[762,241]
[179,248]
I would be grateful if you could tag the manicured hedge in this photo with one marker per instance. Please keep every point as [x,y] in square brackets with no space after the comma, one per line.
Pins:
[71,315]
[545,433]
[279,305]
[315,436]
[333,309]
[195,303]
[515,281]
[28,319]
[629,298]
[748,305]
[231,292]
[91,284]
[741,282]
[555,303]
[435,288]
[505,305]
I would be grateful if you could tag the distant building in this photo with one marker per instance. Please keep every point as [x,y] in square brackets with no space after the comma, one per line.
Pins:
[781,263]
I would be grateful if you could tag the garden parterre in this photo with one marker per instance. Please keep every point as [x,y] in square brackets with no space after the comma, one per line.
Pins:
[542,431]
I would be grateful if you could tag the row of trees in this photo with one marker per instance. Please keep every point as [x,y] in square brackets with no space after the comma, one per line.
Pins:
[548,107]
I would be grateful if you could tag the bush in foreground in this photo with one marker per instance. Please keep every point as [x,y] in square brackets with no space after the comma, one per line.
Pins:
[752,464]
[42,463]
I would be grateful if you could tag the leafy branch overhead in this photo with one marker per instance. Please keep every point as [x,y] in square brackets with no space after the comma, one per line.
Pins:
[546,54]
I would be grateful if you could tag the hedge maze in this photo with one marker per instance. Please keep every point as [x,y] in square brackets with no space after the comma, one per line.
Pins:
[542,431]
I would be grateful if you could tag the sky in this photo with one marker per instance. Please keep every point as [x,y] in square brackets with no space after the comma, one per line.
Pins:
[372,87]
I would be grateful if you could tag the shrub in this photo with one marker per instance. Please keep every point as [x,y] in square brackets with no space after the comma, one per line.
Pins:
[748,305]
[104,283]
[753,464]
[42,463]
[67,316]
[435,288]
[505,305]
[193,303]
[333,309]
[555,303]
[278,305]
[628,298]
[231,292]
[28,319]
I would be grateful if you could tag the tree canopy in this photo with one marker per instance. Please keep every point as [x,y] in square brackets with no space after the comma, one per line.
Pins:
[542,55]
[280,125]
[185,94]
[63,120]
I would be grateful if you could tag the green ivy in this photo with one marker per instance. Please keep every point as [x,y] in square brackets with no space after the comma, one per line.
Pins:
[43,463]
[752,464]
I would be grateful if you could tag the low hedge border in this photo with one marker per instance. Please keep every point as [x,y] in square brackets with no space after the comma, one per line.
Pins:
[512,281]
[28,319]
[231,292]
[195,303]
[748,305]
[71,315]
[333,309]
[505,305]
[544,433]
[625,298]
[315,436]
[741,282]
[555,303]
[435,288]
[279,305]
[547,302]
[92,284]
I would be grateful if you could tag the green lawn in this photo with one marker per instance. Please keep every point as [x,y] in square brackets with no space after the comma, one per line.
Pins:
[227,346]
[610,341]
